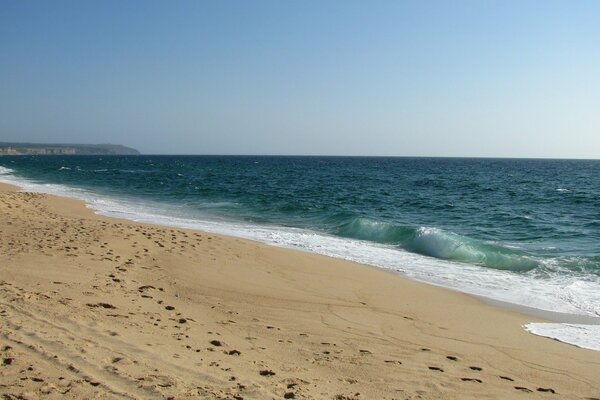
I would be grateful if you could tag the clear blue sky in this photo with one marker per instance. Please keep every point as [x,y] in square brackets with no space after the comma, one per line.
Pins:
[424,78]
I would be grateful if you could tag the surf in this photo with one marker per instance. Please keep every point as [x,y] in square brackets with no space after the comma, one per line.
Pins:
[439,243]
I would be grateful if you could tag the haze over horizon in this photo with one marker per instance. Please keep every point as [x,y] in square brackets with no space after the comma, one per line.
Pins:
[467,79]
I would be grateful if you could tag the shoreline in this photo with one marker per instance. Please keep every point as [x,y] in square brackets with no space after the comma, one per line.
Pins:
[542,315]
[323,327]
[510,289]
[545,315]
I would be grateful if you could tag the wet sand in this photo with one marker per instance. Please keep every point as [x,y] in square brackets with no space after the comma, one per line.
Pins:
[93,307]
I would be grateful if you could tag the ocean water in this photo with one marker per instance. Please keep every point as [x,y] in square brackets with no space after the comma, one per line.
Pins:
[520,231]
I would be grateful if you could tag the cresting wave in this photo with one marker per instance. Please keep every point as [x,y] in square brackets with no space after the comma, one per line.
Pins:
[434,242]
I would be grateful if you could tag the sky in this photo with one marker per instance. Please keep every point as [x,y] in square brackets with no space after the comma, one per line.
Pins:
[477,78]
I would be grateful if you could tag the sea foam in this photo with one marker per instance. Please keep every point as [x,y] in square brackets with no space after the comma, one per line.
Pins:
[584,336]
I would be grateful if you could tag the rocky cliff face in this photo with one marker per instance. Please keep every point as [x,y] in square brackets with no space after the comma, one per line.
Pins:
[64,149]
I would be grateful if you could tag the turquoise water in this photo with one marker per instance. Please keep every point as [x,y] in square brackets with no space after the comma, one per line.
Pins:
[526,231]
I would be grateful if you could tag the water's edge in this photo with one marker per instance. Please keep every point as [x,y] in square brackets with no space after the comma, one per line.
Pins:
[579,335]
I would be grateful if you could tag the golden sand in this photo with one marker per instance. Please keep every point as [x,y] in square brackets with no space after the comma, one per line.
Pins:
[93,307]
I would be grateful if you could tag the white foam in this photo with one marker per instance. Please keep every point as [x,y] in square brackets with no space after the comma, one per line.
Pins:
[5,171]
[584,336]
[567,293]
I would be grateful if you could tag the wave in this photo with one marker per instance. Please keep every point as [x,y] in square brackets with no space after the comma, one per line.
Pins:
[435,242]
[133,171]
[5,171]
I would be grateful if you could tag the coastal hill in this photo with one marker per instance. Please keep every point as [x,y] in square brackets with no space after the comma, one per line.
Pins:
[64,149]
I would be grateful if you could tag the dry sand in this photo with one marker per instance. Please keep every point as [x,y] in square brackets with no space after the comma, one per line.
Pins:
[92,307]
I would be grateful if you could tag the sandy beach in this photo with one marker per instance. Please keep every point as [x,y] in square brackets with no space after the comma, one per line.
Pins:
[93,307]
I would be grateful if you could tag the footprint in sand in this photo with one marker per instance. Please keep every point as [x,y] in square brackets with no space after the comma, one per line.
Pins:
[266,372]
[523,389]
[103,305]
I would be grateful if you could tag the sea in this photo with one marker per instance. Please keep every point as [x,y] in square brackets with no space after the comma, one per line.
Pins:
[520,231]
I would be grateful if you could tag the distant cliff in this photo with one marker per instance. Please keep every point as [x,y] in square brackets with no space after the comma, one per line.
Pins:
[64,149]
